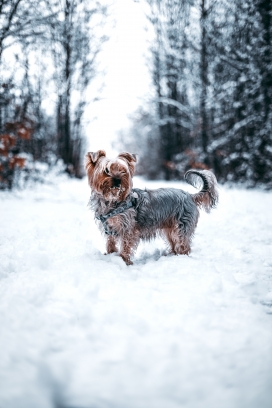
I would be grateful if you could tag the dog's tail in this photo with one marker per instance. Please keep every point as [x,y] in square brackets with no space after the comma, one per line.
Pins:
[207,198]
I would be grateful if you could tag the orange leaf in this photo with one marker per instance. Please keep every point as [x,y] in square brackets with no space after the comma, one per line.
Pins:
[4,152]
[24,133]
[20,161]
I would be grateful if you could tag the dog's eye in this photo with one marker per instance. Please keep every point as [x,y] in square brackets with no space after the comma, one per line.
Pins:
[107,171]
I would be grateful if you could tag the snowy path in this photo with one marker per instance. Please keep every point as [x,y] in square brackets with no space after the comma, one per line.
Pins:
[81,330]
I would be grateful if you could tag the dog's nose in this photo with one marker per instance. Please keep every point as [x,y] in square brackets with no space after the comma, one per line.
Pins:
[116,182]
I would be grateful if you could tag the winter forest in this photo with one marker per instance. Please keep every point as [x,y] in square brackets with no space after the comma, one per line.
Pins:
[211,71]
[48,54]
[183,320]
[209,107]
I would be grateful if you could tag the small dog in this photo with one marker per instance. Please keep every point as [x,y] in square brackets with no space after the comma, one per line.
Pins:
[127,215]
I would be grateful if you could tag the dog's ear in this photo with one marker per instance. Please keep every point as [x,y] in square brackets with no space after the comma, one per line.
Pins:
[91,159]
[131,160]
[94,156]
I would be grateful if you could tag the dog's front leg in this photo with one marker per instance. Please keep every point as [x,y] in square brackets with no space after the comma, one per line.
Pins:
[127,234]
[111,245]
[129,244]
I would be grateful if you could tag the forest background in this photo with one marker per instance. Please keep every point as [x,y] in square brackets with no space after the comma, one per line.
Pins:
[210,99]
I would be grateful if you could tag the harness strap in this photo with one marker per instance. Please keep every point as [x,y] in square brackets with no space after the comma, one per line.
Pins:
[125,205]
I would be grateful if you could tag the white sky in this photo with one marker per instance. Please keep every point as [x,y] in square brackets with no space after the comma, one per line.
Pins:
[126,80]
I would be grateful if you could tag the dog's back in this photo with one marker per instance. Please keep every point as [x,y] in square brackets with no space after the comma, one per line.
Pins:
[166,209]
[158,208]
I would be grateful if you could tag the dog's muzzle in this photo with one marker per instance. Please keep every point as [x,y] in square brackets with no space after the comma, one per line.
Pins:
[116,182]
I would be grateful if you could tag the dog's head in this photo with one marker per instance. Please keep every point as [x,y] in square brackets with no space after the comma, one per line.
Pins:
[110,178]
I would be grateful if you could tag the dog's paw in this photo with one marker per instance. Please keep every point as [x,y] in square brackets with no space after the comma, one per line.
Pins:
[128,261]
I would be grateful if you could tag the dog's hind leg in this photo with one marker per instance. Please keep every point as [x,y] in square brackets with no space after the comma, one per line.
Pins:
[181,232]
[178,241]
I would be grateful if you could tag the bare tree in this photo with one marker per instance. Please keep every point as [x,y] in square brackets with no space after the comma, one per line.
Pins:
[169,19]
[66,37]
[22,20]
[9,20]
[76,43]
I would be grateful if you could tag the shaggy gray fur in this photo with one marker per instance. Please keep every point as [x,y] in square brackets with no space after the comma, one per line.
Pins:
[156,209]
[164,208]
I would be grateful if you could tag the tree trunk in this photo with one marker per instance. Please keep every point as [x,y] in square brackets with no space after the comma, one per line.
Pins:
[204,80]
[265,10]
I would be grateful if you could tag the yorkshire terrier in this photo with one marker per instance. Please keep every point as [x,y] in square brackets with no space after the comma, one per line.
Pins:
[127,214]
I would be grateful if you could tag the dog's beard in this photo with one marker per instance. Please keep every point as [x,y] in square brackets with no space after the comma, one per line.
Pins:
[114,189]
[113,193]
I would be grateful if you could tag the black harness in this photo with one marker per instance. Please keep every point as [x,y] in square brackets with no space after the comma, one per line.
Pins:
[119,209]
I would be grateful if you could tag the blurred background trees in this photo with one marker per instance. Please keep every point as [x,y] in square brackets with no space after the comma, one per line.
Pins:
[211,65]
[211,100]
[48,53]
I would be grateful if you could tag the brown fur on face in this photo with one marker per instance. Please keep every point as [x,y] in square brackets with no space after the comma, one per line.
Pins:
[168,212]
[111,179]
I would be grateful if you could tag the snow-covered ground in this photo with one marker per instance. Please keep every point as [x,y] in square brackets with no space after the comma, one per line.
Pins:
[82,330]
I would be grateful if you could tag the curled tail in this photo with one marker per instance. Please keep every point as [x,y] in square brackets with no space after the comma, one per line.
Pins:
[207,198]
